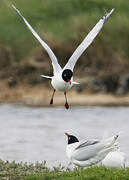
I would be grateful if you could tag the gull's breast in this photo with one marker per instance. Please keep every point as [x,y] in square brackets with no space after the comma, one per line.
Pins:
[60,85]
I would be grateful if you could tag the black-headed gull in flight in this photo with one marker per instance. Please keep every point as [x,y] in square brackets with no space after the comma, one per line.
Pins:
[62,79]
[90,152]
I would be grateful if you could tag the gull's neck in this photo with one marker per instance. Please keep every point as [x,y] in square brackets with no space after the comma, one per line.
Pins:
[70,148]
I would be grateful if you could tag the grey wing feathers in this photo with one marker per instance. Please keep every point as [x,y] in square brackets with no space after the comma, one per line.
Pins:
[83,154]
[86,150]
[55,64]
[87,41]
[88,143]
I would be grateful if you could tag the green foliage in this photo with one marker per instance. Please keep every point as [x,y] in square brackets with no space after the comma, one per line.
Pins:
[39,171]
[94,173]
[62,20]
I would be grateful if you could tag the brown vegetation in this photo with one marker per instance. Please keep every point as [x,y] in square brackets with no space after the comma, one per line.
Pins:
[97,73]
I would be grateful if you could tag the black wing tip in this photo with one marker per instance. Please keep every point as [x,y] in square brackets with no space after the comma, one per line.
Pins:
[116,136]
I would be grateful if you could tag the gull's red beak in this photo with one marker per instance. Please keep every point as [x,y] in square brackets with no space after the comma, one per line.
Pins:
[69,81]
[66,134]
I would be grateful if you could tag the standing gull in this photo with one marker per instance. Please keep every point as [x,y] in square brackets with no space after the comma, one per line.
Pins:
[62,79]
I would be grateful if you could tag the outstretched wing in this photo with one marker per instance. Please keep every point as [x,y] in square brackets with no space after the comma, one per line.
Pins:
[56,66]
[87,41]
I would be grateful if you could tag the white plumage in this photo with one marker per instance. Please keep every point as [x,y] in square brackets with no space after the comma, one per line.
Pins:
[115,159]
[91,152]
[62,79]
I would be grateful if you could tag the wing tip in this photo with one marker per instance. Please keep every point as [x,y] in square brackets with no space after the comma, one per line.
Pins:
[48,77]
[106,17]
[14,7]
[17,10]
[76,83]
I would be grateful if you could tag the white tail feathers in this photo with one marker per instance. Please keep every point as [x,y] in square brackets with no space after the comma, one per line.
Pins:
[106,134]
[111,141]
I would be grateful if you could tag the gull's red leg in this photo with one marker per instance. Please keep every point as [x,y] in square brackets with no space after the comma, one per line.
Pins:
[51,101]
[66,104]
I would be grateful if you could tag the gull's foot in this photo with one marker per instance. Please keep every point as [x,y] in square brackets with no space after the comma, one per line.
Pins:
[66,105]
[51,102]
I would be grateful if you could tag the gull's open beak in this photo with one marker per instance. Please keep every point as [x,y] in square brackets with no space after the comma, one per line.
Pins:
[66,134]
[69,81]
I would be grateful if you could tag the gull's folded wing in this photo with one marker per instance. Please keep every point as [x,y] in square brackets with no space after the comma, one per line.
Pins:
[88,143]
[87,41]
[86,152]
[56,66]
[90,149]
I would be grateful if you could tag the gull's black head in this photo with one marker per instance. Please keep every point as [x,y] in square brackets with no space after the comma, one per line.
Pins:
[67,75]
[71,138]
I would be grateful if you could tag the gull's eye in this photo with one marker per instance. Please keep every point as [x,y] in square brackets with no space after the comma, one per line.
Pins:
[65,75]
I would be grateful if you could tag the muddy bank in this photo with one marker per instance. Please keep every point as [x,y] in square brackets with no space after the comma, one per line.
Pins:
[40,96]
[103,77]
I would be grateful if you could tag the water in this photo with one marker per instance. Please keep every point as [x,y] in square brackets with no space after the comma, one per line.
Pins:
[37,134]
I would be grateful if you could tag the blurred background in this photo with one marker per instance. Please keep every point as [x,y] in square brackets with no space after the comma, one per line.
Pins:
[37,133]
[63,24]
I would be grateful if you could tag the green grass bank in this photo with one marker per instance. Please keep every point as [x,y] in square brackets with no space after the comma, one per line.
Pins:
[96,173]
[39,171]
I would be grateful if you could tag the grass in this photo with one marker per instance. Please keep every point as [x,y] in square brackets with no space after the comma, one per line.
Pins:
[95,173]
[39,171]
[63,20]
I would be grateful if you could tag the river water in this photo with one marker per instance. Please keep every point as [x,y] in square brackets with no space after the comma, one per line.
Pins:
[32,134]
